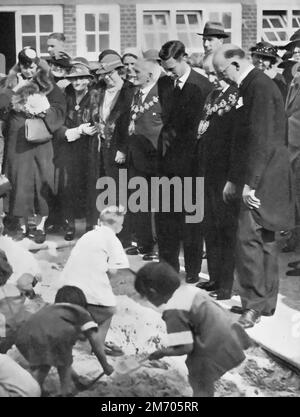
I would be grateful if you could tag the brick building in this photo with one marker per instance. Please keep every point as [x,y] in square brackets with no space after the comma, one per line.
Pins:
[93,25]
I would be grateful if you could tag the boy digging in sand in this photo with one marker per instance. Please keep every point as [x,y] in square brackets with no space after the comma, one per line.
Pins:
[95,258]
[196,325]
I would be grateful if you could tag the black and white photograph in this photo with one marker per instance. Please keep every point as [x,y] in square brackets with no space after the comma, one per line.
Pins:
[150,172]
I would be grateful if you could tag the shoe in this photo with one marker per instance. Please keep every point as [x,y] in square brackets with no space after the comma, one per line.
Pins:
[152,256]
[139,250]
[220,294]
[52,228]
[237,310]
[207,286]
[293,272]
[69,234]
[39,236]
[249,318]
[294,264]
[191,279]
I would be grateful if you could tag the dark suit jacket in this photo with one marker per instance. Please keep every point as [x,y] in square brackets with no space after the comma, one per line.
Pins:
[215,144]
[260,156]
[142,146]
[292,108]
[181,112]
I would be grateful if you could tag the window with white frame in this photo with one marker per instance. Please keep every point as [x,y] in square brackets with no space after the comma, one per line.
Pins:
[98,28]
[34,25]
[156,24]
[278,20]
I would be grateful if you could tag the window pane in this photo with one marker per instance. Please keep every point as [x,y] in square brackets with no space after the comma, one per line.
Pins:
[43,44]
[90,22]
[266,23]
[103,42]
[91,43]
[148,21]
[276,22]
[46,23]
[271,37]
[161,20]
[282,36]
[29,41]
[104,22]
[180,19]
[193,19]
[227,20]
[28,23]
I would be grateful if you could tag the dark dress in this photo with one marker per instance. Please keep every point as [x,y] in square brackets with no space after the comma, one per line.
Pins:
[48,336]
[29,167]
[70,159]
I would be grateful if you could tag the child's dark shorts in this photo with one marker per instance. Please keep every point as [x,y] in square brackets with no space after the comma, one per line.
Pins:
[101,313]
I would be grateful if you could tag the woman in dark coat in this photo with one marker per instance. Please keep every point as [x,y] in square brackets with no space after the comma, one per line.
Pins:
[29,166]
[71,147]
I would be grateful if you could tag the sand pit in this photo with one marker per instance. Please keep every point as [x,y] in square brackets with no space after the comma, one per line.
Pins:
[139,330]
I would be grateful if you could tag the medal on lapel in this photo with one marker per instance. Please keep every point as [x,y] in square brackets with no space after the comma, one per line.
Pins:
[77,107]
[203,126]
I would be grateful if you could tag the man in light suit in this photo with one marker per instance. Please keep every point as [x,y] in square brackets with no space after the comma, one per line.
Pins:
[262,167]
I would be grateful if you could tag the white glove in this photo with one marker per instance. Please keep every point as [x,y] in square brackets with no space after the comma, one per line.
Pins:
[72,134]
[87,129]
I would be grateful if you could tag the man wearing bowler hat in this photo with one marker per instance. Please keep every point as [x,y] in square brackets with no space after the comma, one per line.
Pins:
[213,36]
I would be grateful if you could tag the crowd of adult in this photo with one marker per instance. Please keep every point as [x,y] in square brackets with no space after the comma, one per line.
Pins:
[229,119]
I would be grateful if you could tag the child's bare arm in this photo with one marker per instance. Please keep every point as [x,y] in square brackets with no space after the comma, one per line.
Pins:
[172,351]
[98,349]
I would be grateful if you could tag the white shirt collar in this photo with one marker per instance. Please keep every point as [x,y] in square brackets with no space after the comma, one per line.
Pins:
[244,74]
[145,90]
[183,78]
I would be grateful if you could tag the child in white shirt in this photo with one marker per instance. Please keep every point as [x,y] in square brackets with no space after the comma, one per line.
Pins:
[96,256]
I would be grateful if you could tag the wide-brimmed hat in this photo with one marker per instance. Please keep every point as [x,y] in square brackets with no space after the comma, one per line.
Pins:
[294,39]
[81,60]
[109,63]
[61,59]
[215,29]
[78,70]
[265,49]
[151,55]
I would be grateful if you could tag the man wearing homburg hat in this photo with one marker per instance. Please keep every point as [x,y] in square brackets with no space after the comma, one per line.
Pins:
[213,36]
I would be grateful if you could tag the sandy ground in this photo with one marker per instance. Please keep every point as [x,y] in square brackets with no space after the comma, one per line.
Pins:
[139,330]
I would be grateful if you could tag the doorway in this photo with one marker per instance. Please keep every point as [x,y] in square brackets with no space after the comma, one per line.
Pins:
[8,38]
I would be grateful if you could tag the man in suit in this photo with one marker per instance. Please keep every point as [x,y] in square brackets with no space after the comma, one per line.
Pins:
[292,109]
[213,36]
[221,205]
[143,125]
[182,96]
[261,166]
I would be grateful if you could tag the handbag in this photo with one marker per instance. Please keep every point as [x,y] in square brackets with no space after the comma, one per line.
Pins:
[36,131]
[5,185]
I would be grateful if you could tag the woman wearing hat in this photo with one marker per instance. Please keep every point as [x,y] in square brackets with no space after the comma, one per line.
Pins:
[106,149]
[29,166]
[264,57]
[72,146]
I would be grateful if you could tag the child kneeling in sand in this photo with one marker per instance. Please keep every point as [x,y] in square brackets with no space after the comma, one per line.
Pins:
[47,338]
[196,325]
[96,256]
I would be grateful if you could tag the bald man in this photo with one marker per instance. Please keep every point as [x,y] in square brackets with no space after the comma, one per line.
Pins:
[144,124]
[261,167]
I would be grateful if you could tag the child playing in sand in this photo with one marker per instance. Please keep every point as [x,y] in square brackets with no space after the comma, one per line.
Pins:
[47,338]
[96,256]
[196,325]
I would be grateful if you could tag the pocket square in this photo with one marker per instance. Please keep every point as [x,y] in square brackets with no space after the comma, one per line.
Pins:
[240,103]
